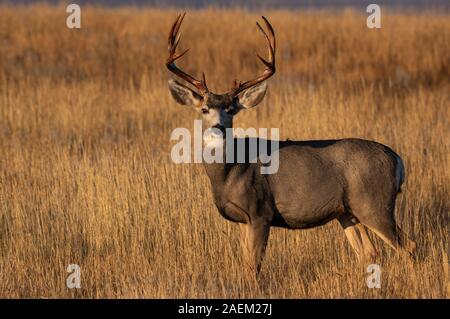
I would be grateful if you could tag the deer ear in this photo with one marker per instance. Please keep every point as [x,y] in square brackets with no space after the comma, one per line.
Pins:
[253,96]
[183,94]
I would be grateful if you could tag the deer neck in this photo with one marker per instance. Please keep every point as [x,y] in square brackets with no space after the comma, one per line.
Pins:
[216,170]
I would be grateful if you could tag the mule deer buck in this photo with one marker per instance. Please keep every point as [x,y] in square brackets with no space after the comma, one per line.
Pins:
[352,180]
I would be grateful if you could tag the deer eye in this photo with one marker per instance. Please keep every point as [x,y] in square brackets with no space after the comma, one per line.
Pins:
[205,111]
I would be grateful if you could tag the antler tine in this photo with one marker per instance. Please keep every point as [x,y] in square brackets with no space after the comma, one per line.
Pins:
[270,63]
[204,81]
[173,34]
[173,40]
[270,41]
[272,32]
[179,22]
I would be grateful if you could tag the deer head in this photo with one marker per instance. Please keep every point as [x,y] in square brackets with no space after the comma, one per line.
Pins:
[218,110]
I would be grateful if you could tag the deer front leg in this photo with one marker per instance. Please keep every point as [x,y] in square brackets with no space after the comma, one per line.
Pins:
[254,236]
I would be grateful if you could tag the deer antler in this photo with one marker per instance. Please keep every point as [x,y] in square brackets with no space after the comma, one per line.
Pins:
[174,38]
[270,64]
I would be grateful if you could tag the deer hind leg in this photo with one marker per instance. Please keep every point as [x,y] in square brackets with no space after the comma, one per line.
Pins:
[254,238]
[385,227]
[369,250]
[357,237]
[408,244]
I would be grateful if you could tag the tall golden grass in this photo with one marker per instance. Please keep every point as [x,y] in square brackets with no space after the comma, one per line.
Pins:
[85,169]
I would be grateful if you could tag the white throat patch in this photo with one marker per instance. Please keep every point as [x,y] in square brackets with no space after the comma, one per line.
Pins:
[212,140]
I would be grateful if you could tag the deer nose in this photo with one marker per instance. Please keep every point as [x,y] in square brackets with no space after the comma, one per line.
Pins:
[219,127]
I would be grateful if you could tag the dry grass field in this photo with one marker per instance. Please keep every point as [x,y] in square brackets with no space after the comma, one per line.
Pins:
[85,169]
